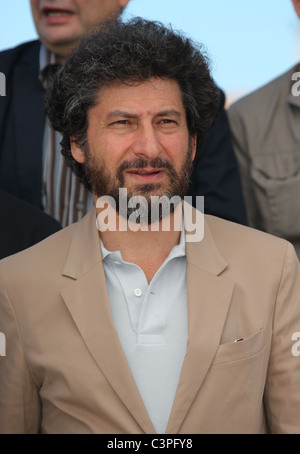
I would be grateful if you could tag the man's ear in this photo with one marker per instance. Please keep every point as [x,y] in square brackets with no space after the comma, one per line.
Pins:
[123,3]
[76,151]
[296,4]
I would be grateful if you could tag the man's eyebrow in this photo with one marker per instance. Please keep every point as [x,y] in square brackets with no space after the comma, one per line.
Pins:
[120,113]
[169,113]
[125,114]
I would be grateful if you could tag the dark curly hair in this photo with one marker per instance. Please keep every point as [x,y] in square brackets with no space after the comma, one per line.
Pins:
[128,52]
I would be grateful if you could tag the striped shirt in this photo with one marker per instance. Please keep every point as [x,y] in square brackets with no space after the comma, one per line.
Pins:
[64,197]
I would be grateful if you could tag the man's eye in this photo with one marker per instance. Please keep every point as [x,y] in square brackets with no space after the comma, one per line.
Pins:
[168,123]
[121,122]
[123,126]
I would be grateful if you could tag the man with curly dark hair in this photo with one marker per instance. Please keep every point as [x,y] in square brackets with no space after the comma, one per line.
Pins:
[31,165]
[76,89]
[146,316]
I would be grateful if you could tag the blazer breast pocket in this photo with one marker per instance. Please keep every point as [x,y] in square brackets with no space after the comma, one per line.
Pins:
[276,185]
[241,349]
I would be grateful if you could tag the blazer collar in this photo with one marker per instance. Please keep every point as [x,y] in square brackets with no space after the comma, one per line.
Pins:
[85,250]
[205,254]
[209,296]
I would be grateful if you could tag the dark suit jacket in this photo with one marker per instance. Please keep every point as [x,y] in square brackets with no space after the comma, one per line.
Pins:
[22,225]
[21,134]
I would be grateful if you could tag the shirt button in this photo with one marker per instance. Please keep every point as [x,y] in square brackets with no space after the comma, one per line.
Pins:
[137,292]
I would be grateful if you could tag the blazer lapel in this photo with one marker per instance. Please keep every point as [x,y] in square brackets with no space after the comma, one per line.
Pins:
[87,301]
[209,296]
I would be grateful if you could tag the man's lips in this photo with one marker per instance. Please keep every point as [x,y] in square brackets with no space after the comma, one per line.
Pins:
[56,15]
[146,174]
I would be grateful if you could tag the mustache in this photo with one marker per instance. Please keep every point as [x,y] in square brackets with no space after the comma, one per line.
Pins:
[140,163]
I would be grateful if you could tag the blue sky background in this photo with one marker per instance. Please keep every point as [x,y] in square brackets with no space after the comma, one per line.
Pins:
[249,42]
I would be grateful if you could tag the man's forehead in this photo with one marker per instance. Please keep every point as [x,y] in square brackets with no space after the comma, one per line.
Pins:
[159,87]
[153,97]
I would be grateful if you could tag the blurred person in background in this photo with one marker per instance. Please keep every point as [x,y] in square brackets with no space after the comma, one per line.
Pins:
[265,127]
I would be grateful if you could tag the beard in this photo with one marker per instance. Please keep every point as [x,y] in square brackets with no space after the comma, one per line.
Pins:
[151,209]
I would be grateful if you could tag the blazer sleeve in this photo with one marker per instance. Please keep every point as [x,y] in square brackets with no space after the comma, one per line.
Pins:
[282,390]
[216,175]
[22,123]
[23,226]
[19,400]
[8,60]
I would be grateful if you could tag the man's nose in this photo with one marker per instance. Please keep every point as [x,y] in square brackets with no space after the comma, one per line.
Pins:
[146,142]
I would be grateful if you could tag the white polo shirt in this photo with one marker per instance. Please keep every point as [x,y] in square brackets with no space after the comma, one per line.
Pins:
[151,321]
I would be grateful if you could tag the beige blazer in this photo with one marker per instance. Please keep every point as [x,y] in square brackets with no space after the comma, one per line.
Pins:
[265,127]
[65,371]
